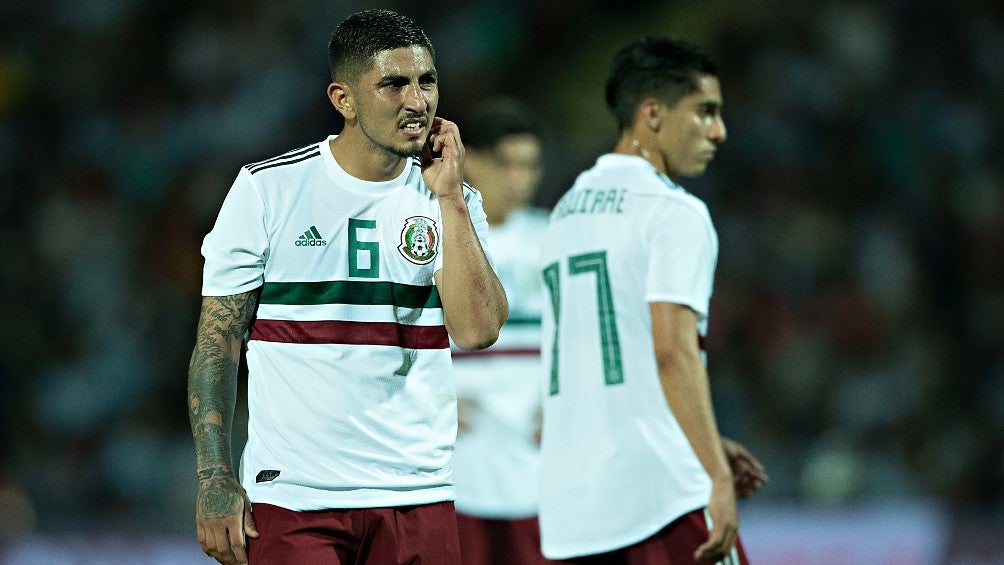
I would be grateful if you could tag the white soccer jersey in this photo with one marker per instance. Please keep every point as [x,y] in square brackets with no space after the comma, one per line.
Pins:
[497,459]
[350,393]
[616,466]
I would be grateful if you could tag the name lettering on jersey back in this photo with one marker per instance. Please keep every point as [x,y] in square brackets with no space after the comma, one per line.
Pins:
[590,201]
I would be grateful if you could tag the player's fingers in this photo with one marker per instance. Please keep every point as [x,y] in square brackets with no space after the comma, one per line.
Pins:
[444,140]
[430,138]
[744,486]
[712,544]
[709,551]
[213,546]
[200,534]
[752,472]
[744,464]
[750,475]
[435,140]
[449,133]
[753,466]
[237,545]
[752,462]
[427,154]
[250,528]
[447,127]
[714,549]
[221,546]
[430,145]
[207,541]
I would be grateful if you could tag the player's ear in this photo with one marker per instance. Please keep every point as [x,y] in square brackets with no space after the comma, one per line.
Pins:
[341,98]
[649,113]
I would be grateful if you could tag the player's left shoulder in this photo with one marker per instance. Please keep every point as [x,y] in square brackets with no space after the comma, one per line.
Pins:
[691,201]
[680,195]
[680,209]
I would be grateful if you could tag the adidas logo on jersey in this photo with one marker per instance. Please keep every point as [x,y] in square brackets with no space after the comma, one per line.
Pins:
[311,238]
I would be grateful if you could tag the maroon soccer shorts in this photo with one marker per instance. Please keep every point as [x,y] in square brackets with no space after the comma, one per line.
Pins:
[363,536]
[673,545]
[499,542]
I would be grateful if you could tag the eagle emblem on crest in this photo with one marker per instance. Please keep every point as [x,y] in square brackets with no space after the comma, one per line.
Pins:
[419,239]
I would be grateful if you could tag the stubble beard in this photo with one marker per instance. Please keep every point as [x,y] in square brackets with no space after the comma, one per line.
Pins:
[403,152]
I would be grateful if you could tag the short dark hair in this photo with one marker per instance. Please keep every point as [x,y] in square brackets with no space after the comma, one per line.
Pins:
[493,119]
[666,69]
[363,34]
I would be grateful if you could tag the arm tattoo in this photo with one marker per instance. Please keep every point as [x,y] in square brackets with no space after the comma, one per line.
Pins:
[219,493]
[212,379]
[218,499]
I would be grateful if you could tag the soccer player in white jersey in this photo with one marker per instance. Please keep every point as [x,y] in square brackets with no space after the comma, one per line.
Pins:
[498,392]
[633,469]
[348,265]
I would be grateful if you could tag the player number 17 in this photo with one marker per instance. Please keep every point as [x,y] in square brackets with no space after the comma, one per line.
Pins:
[610,347]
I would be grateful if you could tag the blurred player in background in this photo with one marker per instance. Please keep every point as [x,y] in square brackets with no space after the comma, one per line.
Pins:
[498,389]
[633,468]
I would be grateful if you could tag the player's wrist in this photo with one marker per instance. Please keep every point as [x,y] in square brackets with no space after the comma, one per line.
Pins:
[215,472]
[453,200]
[722,478]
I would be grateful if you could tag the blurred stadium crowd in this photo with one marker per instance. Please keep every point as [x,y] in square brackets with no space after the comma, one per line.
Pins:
[857,336]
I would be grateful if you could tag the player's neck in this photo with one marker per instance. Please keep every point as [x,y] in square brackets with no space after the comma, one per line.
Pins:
[629,144]
[357,158]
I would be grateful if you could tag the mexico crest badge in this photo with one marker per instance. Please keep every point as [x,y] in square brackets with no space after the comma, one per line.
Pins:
[419,239]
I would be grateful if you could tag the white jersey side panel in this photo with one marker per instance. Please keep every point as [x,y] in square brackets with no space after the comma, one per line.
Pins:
[497,458]
[351,398]
[616,467]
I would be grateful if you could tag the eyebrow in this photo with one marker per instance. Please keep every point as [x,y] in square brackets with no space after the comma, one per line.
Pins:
[390,79]
[710,104]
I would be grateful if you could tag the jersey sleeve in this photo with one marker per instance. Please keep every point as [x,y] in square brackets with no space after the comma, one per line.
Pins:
[236,248]
[476,210]
[682,258]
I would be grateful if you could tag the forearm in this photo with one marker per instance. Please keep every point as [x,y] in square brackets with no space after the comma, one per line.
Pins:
[212,393]
[685,384]
[222,510]
[212,380]
[474,303]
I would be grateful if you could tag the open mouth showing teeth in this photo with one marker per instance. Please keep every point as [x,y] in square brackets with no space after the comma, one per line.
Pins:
[414,126]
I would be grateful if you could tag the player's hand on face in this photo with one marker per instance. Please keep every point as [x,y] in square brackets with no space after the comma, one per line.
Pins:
[443,159]
[724,524]
[749,474]
[223,519]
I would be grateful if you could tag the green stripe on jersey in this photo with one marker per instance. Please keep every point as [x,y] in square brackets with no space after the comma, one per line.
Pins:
[351,292]
[523,321]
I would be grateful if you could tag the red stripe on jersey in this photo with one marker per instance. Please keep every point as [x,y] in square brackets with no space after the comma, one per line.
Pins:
[498,352]
[351,333]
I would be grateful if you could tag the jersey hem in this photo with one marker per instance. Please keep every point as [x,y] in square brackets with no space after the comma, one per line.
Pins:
[494,513]
[294,499]
[219,291]
[566,551]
